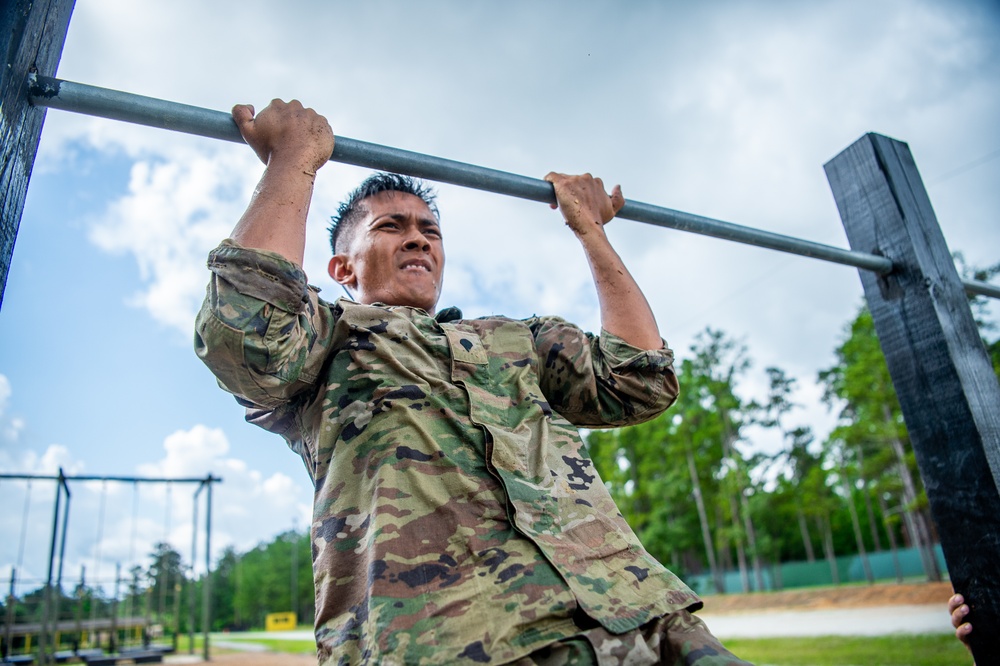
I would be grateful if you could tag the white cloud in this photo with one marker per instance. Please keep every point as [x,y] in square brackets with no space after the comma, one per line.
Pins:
[47,463]
[10,426]
[5,392]
[191,452]
[248,505]
[175,211]
[13,428]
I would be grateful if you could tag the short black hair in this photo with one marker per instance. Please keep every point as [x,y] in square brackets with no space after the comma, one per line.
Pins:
[350,211]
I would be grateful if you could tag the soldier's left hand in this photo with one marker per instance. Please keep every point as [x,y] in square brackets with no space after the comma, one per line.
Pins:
[584,203]
[959,609]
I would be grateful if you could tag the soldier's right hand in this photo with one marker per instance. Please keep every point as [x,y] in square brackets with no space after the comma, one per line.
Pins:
[286,134]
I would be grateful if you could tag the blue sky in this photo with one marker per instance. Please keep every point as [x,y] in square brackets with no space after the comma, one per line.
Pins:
[723,109]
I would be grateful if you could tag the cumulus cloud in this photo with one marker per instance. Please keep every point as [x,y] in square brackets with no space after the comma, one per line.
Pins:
[248,504]
[10,426]
[4,393]
[46,463]
[191,452]
[174,212]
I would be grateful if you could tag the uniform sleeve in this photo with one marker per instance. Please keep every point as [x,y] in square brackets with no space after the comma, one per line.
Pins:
[262,330]
[601,381]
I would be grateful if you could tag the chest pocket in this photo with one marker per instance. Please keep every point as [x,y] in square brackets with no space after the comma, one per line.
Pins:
[466,346]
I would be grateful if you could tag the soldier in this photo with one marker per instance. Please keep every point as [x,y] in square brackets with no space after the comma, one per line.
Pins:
[457,515]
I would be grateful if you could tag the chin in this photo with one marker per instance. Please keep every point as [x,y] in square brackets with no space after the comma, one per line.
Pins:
[421,303]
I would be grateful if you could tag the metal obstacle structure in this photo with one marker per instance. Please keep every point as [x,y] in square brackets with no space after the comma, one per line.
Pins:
[47,631]
[949,394]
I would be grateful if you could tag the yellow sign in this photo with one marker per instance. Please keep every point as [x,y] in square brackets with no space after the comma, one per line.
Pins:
[279,622]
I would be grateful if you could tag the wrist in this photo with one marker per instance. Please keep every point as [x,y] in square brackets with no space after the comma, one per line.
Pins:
[290,172]
[592,237]
[301,158]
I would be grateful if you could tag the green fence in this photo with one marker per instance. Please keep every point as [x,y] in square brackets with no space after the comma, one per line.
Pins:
[808,574]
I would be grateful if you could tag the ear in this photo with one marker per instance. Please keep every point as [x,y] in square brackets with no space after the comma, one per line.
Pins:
[341,270]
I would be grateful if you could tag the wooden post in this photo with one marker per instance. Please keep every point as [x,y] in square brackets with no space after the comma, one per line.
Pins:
[32,33]
[946,386]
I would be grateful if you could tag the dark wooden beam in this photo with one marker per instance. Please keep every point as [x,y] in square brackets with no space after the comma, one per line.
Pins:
[32,33]
[942,375]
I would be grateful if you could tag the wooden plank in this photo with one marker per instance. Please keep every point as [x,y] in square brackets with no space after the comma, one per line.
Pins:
[946,386]
[32,33]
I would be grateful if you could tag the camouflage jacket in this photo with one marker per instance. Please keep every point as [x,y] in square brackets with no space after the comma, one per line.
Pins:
[457,515]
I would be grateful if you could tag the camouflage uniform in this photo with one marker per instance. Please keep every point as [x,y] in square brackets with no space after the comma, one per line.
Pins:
[457,515]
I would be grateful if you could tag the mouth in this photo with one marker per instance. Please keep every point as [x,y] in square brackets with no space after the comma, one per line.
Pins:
[419,265]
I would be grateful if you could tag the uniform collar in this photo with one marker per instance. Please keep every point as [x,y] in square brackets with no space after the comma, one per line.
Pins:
[448,314]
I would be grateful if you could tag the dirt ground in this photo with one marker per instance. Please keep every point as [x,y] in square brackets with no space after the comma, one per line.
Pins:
[813,598]
[853,596]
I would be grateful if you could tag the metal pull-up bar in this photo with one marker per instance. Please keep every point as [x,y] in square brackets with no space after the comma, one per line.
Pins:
[117,105]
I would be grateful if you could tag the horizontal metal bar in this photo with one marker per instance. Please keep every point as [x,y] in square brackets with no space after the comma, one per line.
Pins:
[125,479]
[981,288]
[117,105]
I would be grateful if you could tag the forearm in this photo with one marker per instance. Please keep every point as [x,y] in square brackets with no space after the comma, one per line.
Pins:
[624,309]
[294,142]
[586,208]
[275,219]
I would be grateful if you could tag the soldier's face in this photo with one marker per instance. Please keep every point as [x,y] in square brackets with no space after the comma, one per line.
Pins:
[396,256]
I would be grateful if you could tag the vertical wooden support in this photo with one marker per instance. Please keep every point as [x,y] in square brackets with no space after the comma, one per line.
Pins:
[942,375]
[32,33]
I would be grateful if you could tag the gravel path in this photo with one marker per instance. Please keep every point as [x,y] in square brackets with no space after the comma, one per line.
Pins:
[868,621]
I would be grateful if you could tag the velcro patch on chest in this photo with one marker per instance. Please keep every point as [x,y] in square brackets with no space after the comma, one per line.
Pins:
[466,346]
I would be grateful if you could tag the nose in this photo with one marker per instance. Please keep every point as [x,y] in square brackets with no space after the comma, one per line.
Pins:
[417,242]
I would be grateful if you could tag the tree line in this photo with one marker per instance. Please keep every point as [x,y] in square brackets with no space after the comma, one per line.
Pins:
[704,499]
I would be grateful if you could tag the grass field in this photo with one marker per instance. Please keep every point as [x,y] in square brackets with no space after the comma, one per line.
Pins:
[898,650]
[278,644]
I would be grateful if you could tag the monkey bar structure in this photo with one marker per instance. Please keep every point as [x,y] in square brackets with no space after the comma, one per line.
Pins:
[47,631]
[949,394]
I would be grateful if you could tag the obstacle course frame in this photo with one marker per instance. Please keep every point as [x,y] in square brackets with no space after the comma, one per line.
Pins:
[949,395]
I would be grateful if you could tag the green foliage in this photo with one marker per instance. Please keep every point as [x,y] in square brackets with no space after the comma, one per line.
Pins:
[273,577]
[794,505]
[870,442]
[656,471]
[244,587]
[261,581]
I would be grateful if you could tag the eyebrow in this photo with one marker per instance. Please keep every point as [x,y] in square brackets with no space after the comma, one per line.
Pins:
[400,217]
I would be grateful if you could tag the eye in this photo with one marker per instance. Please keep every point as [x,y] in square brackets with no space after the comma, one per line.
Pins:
[432,231]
